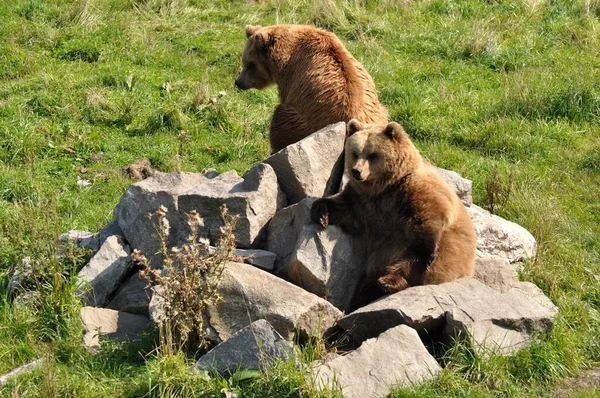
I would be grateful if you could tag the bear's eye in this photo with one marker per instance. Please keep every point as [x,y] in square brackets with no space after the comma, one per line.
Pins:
[251,66]
[372,157]
[354,155]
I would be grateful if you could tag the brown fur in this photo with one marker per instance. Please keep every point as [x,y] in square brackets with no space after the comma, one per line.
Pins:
[416,228]
[318,79]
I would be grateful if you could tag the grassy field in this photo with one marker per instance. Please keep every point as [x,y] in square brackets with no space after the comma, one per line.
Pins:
[483,86]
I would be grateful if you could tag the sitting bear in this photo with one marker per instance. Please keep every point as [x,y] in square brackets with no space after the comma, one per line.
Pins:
[319,81]
[416,228]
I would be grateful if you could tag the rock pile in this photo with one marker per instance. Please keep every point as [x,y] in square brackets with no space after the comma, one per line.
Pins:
[303,277]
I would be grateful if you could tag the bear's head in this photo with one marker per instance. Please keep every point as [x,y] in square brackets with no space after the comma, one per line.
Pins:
[257,67]
[377,156]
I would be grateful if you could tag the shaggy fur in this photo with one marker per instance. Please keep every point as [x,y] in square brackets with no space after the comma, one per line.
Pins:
[416,228]
[318,79]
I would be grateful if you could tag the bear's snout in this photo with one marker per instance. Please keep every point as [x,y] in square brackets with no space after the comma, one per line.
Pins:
[357,174]
[239,84]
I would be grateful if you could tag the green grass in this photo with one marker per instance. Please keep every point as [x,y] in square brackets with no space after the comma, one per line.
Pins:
[479,85]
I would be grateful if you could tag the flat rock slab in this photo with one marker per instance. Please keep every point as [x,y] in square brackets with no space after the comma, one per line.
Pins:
[460,185]
[397,357]
[109,324]
[312,167]
[133,296]
[250,294]
[255,346]
[501,238]
[327,262]
[101,277]
[262,259]
[492,321]
[255,198]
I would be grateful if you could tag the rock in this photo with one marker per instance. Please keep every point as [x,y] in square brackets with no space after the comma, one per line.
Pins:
[133,296]
[254,198]
[99,279]
[77,237]
[250,294]
[253,347]
[501,238]
[312,167]
[28,367]
[259,258]
[460,185]
[396,357]
[110,324]
[495,321]
[21,274]
[496,272]
[326,262]
[87,240]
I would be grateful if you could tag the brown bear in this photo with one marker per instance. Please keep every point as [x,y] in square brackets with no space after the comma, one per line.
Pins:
[416,228]
[319,81]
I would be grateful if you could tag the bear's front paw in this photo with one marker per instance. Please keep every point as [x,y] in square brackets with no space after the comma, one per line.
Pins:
[319,213]
[392,283]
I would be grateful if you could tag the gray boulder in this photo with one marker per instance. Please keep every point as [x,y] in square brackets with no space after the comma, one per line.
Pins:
[255,198]
[501,238]
[109,324]
[133,296]
[466,308]
[101,277]
[312,167]
[324,261]
[496,272]
[460,185]
[396,357]
[255,346]
[250,294]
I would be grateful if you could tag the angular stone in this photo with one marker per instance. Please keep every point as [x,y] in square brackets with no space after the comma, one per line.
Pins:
[28,367]
[21,274]
[496,272]
[396,357]
[101,277]
[492,321]
[87,240]
[255,346]
[259,258]
[501,238]
[77,238]
[460,185]
[133,296]
[312,167]
[250,294]
[326,262]
[254,198]
[110,324]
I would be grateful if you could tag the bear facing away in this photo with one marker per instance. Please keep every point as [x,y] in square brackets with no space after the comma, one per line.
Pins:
[319,81]
[416,228]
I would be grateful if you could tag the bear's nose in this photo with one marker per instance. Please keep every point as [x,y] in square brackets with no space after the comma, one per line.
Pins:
[356,174]
[239,84]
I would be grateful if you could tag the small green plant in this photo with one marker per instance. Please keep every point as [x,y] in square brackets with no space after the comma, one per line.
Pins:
[188,282]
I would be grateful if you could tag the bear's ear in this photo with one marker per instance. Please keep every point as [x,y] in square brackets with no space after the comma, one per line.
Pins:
[354,126]
[264,40]
[394,131]
[251,29]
